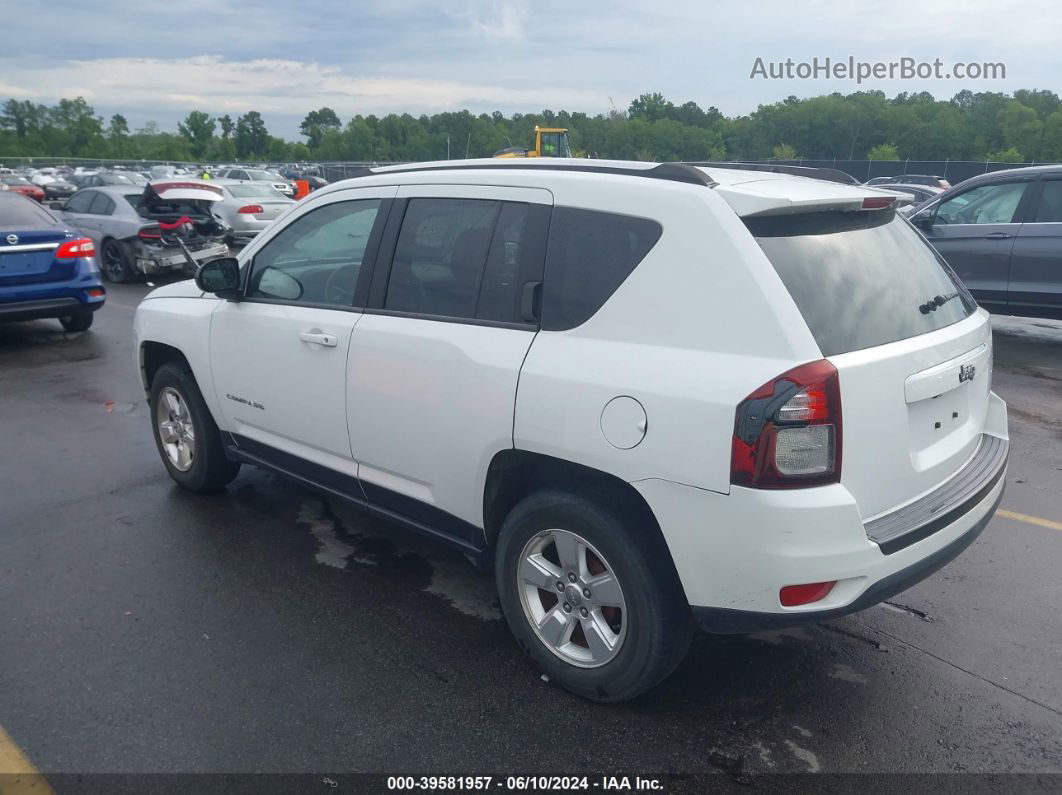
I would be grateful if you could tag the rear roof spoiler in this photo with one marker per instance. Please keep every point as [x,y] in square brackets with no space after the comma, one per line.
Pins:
[827,174]
[674,172]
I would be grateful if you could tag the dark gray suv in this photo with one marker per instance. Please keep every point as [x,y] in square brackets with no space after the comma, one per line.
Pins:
[1002,233]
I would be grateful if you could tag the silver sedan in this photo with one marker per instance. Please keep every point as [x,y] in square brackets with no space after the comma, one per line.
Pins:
[248,207]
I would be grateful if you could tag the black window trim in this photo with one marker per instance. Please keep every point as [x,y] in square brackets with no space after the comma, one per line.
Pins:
[369,259]
[538,220]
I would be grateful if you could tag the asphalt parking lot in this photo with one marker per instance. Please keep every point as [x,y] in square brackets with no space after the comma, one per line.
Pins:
[145,629]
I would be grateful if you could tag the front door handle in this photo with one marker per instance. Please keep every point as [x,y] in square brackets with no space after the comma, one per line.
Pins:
[317,337]
[998,236]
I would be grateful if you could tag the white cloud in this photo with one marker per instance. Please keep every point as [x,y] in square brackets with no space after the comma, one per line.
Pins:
[211,83]
[502,20]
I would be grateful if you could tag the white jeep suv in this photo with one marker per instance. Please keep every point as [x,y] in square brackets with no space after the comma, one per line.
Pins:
[651,396]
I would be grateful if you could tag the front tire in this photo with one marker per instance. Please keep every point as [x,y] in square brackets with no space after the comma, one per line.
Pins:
[187,438]
[592,599]
[79,321]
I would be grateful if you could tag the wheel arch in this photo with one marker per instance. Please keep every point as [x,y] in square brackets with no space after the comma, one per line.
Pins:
[155,354]
[514,474]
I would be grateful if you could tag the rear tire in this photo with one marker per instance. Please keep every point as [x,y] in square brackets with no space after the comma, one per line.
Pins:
[116,264]
[187,438]
[622,652]
[79,321]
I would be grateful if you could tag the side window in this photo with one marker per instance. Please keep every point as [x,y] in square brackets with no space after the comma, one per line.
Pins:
[589,256]
[440,256]
[508,266]
[80,201]
[237,175]
[318,257]
[99,204]
[987,204]
[1049,209]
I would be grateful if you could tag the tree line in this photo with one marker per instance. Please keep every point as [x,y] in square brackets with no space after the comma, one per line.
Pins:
[1019,127]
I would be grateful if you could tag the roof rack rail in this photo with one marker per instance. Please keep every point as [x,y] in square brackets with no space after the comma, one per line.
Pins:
[674,172]
[826,174]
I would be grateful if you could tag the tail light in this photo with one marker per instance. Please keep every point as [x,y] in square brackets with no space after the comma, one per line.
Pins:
[150,232]
[251,209]
[878,202]
[787,434]
[72,249]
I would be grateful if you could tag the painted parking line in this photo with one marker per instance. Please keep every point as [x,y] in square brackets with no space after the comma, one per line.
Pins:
[18,776]
[1024,517]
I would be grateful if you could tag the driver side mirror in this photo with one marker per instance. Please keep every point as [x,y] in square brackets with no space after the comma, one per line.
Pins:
[56,205]
[220,277]
[924,221]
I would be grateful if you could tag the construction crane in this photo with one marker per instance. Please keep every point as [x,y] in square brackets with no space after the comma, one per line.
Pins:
[549,142]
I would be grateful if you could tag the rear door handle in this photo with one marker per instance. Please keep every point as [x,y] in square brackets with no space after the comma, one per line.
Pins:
[998,236]
[317,337]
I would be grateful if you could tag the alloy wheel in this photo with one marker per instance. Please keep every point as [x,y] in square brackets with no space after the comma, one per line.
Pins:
[175,428]
[572,598]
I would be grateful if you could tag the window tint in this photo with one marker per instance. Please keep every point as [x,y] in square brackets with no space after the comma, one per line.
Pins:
[99,204]
[508,266]
[245,191]
[588,257]
[318,257]
[440,256]
[860,279]
[987,204]
[1049,210]
[19,213]
[80,202]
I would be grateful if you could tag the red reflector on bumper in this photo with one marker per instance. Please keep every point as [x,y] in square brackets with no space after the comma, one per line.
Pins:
[795,595]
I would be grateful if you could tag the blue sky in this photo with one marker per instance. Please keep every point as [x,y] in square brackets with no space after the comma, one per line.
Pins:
[285,58]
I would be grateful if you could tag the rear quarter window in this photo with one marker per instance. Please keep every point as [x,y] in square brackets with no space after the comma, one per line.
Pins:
[588,256]
[861,279]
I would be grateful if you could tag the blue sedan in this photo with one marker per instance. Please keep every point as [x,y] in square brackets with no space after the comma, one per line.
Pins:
[47,269]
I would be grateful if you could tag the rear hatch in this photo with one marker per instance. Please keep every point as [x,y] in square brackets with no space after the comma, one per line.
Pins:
[28,240]
[913,353]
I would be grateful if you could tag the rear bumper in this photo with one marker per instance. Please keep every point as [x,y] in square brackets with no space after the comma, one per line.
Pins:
[162,260]
[734,552]
[45,308]
[85,291]
[727,621]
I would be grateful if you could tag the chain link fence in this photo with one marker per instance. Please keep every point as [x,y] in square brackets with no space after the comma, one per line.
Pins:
[955,171]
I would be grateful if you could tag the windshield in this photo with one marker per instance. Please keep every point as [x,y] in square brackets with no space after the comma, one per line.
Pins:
[15,181]
[263,176]
[245,191]
[861,279]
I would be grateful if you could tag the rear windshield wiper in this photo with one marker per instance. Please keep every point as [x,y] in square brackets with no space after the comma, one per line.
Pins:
[936,301]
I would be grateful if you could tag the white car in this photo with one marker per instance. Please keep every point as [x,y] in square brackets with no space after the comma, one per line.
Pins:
[248,207]
[650,396]
[278,183]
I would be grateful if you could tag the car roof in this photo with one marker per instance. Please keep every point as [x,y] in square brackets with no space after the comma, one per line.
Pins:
[748,191]
[116,190]
[1020,171]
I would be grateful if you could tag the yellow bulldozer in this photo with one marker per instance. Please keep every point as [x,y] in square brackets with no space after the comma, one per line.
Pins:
[549,142]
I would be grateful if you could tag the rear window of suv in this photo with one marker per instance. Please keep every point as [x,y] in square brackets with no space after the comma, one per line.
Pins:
[861,279]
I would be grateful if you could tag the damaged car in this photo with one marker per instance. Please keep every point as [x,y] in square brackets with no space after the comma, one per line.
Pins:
[168,226]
